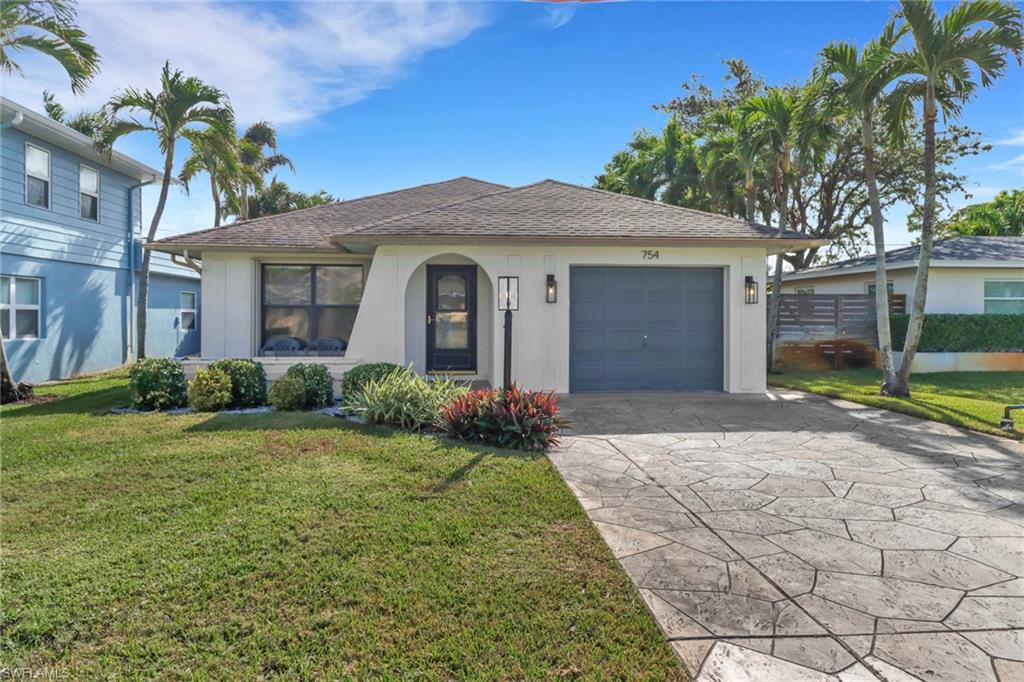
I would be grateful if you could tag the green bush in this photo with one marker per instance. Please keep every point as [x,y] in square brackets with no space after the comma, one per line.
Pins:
[157,384]
[288,393]
[210,391]
[404,399]
[248,381]
[353,380]
[316,379]
[954,333]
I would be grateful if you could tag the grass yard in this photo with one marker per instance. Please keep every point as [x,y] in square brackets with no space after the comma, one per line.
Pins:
[295,545]
[974,400]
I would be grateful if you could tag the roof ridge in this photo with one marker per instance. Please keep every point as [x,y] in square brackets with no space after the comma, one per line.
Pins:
[378,223]
[250,221]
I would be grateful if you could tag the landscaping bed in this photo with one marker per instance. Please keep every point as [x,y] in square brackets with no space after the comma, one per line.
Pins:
[292,544]
[972,400]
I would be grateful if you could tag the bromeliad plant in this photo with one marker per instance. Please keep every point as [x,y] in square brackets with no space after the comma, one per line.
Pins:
[510,418]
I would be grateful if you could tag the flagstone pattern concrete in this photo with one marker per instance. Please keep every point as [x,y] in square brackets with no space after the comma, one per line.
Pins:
[790,537]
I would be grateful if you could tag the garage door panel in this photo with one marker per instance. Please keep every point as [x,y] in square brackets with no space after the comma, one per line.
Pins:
[679,310]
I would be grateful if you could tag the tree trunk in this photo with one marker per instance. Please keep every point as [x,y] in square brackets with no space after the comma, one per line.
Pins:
[916,323]
[881,279]
[751,195]
[10,390]
[143,302]
[773,308]
[216,200]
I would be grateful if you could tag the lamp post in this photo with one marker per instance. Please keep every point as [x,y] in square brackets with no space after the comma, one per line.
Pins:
[508,300]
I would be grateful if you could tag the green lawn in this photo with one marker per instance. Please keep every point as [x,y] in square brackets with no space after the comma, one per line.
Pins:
[295,545]
[974,400]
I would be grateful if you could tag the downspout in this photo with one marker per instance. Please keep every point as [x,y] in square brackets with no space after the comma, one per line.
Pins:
[131,262]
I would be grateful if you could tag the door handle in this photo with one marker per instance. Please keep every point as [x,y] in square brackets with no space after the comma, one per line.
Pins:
[645,340]
[430,319]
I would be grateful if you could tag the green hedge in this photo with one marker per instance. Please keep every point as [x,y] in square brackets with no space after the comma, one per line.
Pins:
[947,333]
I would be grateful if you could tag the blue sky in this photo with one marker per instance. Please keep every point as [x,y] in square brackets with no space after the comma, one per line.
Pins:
[372,97]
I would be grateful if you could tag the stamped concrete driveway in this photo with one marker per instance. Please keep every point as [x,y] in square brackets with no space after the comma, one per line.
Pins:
[791,537]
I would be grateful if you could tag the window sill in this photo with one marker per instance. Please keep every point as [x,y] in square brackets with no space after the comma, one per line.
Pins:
[301,354]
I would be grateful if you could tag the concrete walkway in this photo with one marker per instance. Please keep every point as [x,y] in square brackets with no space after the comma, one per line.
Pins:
[799,538]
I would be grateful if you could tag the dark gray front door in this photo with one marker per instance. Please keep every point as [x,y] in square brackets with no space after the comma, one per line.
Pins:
[634,329]
[451,318]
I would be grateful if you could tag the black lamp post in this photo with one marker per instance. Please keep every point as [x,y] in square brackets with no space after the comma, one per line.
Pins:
[508,300]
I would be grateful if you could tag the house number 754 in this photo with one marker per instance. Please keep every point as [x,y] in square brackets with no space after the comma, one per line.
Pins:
[649,254]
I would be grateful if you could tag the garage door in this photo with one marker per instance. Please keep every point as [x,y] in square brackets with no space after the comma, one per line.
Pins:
[634,329]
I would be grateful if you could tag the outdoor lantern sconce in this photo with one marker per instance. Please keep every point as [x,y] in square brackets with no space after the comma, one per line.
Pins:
[508,293]
[750,289]
[508,300]
[551,291]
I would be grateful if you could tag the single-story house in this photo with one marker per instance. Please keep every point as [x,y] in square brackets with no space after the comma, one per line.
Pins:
[967,275]
[615,293]
[70,254]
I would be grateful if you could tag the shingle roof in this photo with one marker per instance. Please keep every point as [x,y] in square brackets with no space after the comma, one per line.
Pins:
[556,210]
[954,249]
[311,228]
[469,209]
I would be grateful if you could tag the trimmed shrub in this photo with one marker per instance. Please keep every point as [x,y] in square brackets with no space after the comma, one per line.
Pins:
[210,391]
[404,399]
[248,381]
[353,380]
[511,418]
[158,384]
[956,333]
[288,393]
[316,380]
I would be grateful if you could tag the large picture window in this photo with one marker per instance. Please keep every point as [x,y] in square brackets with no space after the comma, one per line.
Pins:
[1004,296]
[19,307]
[310,307]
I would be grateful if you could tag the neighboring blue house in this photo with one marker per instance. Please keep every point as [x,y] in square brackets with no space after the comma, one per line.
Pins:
[70,251]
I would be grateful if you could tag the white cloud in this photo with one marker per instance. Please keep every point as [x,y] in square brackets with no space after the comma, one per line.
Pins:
[1016,163]
[558,15]
[1016,139]
[286,62]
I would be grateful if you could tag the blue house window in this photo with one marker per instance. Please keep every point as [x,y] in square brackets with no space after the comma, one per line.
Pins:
[187,307]
[37,176]
[19,307]
[89,193]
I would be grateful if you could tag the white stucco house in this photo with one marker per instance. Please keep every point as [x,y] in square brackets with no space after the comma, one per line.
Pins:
[615,293]
[968,275]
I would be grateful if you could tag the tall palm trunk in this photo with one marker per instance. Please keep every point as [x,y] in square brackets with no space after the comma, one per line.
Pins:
[151,235]
[881,280]
[773,308]
[216,200]
[751,198]
[902,386]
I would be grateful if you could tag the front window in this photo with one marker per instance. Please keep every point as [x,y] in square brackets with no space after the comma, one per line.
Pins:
[1005,297]
[37,176]
[19,307]
[805,291]
[872,288]
[188,310]
[310,307]
[89,193]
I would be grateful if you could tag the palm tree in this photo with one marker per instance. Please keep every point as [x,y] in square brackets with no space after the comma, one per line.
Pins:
[857,82]
[49,27]
[89,123]
[252,147]
[975,34]
[734,152]
[182,102]
[215,154]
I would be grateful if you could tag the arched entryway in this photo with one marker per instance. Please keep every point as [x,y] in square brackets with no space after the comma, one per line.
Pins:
[449,302]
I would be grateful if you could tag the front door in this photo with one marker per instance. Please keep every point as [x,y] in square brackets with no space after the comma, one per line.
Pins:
[451,318]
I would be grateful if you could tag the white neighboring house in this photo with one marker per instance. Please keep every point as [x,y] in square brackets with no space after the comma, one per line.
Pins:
[615,293]
[968,275]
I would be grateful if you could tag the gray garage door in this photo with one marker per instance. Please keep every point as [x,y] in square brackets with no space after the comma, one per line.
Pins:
[634,329]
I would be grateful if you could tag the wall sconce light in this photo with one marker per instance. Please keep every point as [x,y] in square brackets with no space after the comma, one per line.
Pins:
[551,290]
[750,289]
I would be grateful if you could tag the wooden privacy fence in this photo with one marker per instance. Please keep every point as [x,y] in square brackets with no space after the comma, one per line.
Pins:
[829,331]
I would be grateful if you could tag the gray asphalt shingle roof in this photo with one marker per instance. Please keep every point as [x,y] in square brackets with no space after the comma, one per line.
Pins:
[552,209]
[953,249]
[470,209]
